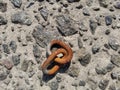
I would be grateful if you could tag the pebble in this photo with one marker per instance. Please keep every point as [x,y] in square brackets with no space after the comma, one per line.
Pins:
[114,75]
[80,44]
[107,32]
[6,48]
[103,3]
[103,84]
[66,25]
[17,3]
[115,59]
[21,17]
[112,42]
[24,65]
[8,64]
[44,13]
[95,48]
[83,27]
[117,5]
[108,20]
[13,46]
[36,51]
[3,20]
[3,6]
[112,87]
[3,73]
[42,38]
[86,12]
[82,83]
[93,25]
[73,71]
[16,59]
[54,85]
[84,57]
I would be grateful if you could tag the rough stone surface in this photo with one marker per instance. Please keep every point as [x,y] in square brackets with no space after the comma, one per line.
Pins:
[6,48]
[3,20]
[21,18]
[16,59]
[103,84]
[13,46]
[17,3]
[3,6]
[115,59]
[65,25]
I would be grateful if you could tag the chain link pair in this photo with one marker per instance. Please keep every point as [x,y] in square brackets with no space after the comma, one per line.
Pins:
[66,52]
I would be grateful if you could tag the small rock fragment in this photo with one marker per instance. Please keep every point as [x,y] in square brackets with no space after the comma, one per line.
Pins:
[117,5]
[112,87]
[44,13]
[54,85]
[86,12]
[84,57]
[95,48]
[115,59]
[16,59]
[71,1]
[103,3]
[93,25]
[3,20]
[66,25]
[80,44]
[8,64]
[13,46]
[82,83]
[21,18]
[24,65]
[17,3]
[6,48]
[108,20]
[3,6]
[112,42]
[3,73]
[103,84]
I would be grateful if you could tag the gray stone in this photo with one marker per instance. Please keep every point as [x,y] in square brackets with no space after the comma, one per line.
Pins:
[93,25]
[3,20]
[84,57]
[107,32]
[115,59]
[103,3]
[54,85]
[95,48]
[42,38]
[112,42]
[36,51]
[117,5]
[6,49]
[109,67]
[82,83]
[17,3]
[3,73]
[13,46]
[16,59]
[100,70]
[71,1]
[83,27]
[66,26]
[86,12]
[3,6]
[114,75]
[80,44]
[103,84]
[108,20]
[112,87]
[73,71]
[24,65]
[44,13]
[21,18]
[89,2]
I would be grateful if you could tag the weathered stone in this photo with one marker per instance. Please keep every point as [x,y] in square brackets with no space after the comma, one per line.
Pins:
[117,5]
[8,64]
[73,71]
[115,59]
[93,25]
[113,43]
[103,84]
[16,59]
[95,48]
[100,70]
[24,65]
[107,32]
[54,85]
[36,51]
[83,27]
[103,3]
[44,13]
[89,2]
[66,26]
[112,87]
[86,12]
[3,20]
[114,75]
[21,18]
[3,73]
[84,57]
[3,6]
[108,20]
[82,83]
[80,44]
[17,3]
[13,46]
[6,48]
